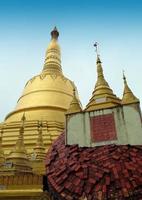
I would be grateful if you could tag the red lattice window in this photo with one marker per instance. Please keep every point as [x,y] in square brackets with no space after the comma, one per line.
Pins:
[103,128]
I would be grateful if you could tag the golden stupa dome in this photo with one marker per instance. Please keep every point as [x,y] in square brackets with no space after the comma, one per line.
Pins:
[48,95]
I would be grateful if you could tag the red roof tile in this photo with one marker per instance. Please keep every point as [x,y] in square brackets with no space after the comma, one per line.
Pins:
[105,172]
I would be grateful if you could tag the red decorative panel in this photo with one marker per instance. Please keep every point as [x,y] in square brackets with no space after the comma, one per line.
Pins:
[103,128]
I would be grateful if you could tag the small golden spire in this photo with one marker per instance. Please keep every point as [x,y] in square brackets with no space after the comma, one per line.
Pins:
[39,149]
[53,56]
[102,96]
[18,156]
[20,142]
[75,105]
[101,80]
[128,96]
[2,158]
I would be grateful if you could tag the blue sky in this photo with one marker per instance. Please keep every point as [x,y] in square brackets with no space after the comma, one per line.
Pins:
[25,33]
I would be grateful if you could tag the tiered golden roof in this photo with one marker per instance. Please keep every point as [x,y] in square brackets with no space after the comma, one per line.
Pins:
[128,96]
[75,105]
[39,149]
[102,96]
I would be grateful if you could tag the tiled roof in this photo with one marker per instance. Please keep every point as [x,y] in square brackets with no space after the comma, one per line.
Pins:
[99,173]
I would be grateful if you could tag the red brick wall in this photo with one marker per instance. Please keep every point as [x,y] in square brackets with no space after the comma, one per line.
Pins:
[103,128]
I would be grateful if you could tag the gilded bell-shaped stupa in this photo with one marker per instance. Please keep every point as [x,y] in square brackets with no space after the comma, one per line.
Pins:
[46,98]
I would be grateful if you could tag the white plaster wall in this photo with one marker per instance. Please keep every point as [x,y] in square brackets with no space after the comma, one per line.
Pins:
[122,135]
[133,124]
[75,129]
[127,123]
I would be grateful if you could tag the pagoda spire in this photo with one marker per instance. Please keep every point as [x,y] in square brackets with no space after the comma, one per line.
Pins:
[128,96]
[39,149]
[75,105]
[101,82]
[2,158]
[18,156]
[102,96]
[53,55]
[20,142]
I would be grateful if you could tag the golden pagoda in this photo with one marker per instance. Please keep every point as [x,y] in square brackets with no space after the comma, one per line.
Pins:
[29,130]
[46,98]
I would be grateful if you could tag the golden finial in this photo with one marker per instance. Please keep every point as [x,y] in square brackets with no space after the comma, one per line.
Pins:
[124,77]
[96,47]
[101,82]
[55,33]
[98,62]
[75,104]
[53,55]
[128,96]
